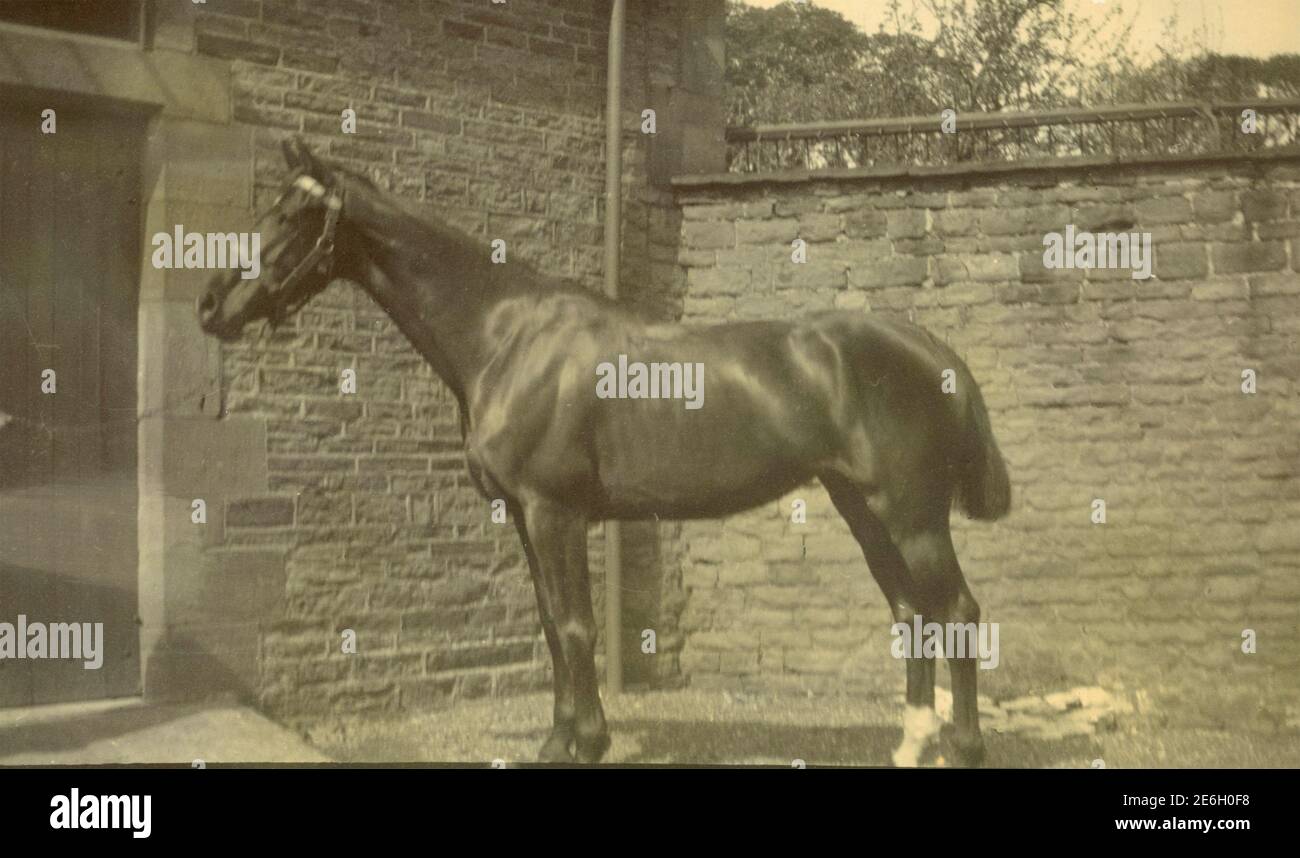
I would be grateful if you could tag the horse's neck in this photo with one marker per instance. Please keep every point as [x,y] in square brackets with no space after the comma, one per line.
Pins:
[436,288]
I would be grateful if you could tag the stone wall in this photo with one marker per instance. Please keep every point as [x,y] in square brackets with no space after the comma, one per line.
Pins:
[1100,387]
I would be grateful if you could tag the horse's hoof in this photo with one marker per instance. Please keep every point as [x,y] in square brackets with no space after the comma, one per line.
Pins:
[906,758]
[592,748]
[555,750]
[968,753]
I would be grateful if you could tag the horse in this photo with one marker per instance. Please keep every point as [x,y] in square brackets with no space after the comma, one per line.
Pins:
[885,415]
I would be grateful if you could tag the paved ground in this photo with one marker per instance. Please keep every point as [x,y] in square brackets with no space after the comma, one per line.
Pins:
[129,731]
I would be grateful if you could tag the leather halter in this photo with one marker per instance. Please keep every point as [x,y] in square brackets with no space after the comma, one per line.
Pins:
[322,253]
[321,256]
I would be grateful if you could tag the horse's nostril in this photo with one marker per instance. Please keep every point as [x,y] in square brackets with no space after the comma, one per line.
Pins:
[207,305]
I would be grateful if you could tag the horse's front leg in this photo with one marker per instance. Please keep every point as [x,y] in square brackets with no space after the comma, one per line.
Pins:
[550,593]
[559,539]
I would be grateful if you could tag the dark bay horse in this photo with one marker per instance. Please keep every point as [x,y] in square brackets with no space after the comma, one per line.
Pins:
[855,401]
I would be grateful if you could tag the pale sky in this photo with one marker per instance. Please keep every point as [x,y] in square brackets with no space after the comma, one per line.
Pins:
[1257,28]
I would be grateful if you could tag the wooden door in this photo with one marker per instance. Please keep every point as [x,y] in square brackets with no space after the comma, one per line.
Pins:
[70,223]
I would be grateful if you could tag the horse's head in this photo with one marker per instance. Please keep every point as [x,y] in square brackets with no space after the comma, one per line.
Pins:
[297,240]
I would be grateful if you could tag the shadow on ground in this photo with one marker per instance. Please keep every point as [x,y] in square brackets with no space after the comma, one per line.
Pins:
[130,731]
[68,734]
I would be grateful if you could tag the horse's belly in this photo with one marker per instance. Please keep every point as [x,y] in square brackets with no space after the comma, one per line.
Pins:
[672,469]
[643,501]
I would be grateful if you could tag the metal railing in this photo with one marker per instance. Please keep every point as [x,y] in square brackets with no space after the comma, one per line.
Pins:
[1115,131]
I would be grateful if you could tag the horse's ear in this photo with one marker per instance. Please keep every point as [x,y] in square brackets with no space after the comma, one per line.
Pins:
[299,157]
[292,148]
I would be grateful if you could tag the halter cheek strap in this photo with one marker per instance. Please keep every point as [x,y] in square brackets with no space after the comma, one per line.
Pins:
[322,253]
[321,256]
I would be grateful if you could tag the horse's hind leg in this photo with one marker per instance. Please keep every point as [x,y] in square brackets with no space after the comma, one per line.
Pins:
[549,592]
[933,562]
[889,567]
[968,743]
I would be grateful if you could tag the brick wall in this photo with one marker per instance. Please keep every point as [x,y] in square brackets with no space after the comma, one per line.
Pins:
[492,116]
[1099,386]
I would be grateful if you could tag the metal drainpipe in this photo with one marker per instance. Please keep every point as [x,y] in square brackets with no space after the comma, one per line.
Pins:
[613,231]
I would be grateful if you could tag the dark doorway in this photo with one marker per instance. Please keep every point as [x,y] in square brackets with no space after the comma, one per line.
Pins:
[69,279]
[113,19]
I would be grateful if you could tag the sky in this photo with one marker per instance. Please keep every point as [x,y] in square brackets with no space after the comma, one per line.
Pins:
[1256,28]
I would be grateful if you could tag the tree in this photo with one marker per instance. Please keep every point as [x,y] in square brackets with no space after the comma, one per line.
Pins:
[793,63]
[800,63]
[797,63]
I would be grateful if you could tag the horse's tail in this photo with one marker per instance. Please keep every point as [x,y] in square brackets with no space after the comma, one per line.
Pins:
[983,487]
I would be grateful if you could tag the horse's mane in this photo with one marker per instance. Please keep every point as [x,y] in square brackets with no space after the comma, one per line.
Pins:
[354,174]
[523,275]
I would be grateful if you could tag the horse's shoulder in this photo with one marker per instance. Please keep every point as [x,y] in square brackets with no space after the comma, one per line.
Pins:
[537,314]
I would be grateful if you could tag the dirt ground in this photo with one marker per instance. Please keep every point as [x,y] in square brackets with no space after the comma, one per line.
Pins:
[1069,730]
[1072,728]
